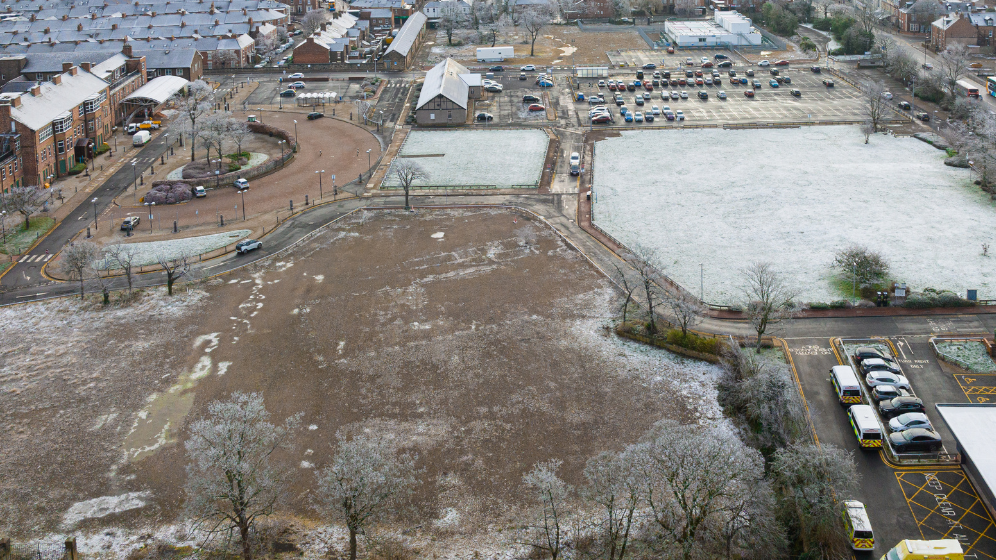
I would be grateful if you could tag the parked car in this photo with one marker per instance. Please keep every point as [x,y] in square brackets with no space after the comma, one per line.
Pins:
[675,95]
[886,95]
[131,222]
[927,66]
[904,105]
[732,73]
[725,64]
[297,85]
[655,110]
[649,66]
[773,72]
[720,57]
[756,84]
[815,69]
[748,93]
[315,115]
[537,107]
[683,95]
[628,117]
[708,81]
[874,378]
[865,352]
[887,392]
[796,93]
[917,440]
[649,117]
[670,50]
[638,116]
[721,94]
[878,364]
[900,405]
[828,82]
[530,99]
[679,115]
[909,421]
[295,76]
[200,192]
[241,183]
[601,83]
[782,63]
[486,117]
[750,73]
[669,115]
[773,83]
[923,116]
[764,63]
[646,95]
[288,93]
[689,61]
[528,68]
[707,65]
[243,247]
[497,68]
[601,118]
[787,80]
[703,94]
[639,100]
[495,88]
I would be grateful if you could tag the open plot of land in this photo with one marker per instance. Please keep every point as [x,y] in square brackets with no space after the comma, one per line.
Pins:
[483,349]
[792,197]
[476,158]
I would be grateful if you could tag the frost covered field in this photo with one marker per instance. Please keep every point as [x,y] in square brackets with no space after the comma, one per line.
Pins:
[146,253]
[793,197]
[472,158]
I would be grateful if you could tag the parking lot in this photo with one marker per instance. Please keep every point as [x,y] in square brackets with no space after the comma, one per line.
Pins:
[507,106]
[940,501]
[816,102]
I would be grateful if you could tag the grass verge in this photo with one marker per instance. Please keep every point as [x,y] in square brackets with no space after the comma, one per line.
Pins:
[19,240]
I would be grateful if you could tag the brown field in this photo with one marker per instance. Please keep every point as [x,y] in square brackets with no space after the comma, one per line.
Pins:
[484,351]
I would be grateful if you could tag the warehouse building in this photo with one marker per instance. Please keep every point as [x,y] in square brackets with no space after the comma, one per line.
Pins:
[726,29]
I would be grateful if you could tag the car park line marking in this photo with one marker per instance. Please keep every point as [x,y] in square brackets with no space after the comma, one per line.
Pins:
[942,494]
[986,386]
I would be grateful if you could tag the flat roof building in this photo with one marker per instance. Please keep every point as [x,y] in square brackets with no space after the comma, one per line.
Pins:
[726,29]
[973,426]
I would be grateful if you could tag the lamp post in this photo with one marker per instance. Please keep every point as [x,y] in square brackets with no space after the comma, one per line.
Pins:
[334,192]
[320,195]
[149,205]
[280,144]
[295,132]
[94,201]
[243,193]
[115,142]
[3,224]
[135,173]
[368,160]
[217,179]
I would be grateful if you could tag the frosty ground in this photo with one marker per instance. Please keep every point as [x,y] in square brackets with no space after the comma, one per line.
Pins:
[499,158]
[468,347]
[792,197]
[149,252]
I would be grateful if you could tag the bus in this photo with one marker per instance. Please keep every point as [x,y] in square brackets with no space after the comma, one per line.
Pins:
[991,85]
[865,425]
[967,88]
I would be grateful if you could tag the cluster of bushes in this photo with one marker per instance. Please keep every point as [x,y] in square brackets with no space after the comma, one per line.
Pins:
[852,39]
[936,298]
[779,20]
[839,304]
[693,342]
[237,157]
[78,168]
[102,149]
[169,193]
[271,131]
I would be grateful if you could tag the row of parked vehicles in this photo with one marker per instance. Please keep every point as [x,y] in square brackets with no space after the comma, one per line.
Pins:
[890,398]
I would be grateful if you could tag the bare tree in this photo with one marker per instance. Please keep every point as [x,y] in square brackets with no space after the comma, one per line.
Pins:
[25,201]
[175,266]
[122,257]
[861,265]
[451,19]
[867,129]
[552,493]
[874,103]
[312,21]
[407,172]
[685,8]
[613,486]
[227,59]
[267,45]
[230,481]
[533,19]
[77,261]
[691,477]
[627,286]
[238,131]
[363,108]
[198,101]
[641,260]
[815,479]
[685,308]
[953,63]
[976,139]
[750,529]
[367,479]
[767,300]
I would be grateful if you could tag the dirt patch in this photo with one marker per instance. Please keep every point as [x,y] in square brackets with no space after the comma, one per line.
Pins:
[477,338]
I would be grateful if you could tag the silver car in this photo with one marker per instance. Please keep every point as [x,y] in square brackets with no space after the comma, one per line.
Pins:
[909,421]
[675,95]
[875,378]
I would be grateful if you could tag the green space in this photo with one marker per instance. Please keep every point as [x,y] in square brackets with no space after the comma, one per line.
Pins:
[20,239]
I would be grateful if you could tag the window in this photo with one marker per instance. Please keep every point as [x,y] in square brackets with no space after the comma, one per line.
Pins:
[44,134]
[62,147]
[432,116]
[3,173]
[39,76]
[168,72]
[81,110]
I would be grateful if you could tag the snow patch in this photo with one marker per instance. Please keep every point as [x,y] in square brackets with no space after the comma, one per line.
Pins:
[307,465]
[202,368]
[319,278]
[312,427]
[438,235]
[449,518]
[103,506]
[223,367]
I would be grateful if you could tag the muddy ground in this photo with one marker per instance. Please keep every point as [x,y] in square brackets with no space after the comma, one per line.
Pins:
[477,338]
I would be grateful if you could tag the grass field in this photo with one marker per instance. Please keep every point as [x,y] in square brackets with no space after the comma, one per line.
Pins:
[20,239]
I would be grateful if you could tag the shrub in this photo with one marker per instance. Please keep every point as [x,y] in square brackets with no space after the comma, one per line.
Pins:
[238,156]
[822,24]
[102,149]
[77,169]
[169,193]
[692,342]
[934,298]
[233,167]
[840,304]
[819,305]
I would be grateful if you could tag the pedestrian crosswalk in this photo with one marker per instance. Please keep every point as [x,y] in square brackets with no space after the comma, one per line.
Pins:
[40,257]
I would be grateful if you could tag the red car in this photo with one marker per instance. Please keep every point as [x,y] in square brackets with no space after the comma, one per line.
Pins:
[782,63]
[749,93]
[699,81]
[537,107]
[648,86]
[599,119]
[698,73]
[682,82]
[670,50]
[707,65]
[612,86]
[673,82]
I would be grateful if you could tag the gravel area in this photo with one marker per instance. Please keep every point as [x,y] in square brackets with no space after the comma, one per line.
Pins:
[722,199]
[146,253]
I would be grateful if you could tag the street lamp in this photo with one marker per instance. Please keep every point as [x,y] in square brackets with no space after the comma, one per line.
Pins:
[3,224]
[94,201]
[217,179]
[334,192]
[320,195]
[368,160]
[149,205]
[295,132]
[280,144]
[243,193]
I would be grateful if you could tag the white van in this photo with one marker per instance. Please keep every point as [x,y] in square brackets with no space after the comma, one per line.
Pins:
[846,385]
[141,138]
[132,128]
[865,425]
[575,163]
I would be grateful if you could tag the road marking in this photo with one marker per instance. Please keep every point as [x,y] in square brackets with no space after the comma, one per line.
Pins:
[31,295]
[946,506]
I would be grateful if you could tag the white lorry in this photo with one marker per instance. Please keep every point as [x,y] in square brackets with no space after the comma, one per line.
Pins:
[141,138]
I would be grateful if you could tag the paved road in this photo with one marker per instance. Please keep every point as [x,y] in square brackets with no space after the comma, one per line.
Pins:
[27,271]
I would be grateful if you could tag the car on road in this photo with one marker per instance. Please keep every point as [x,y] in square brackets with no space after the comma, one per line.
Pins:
[927,66]
[530,99]
[878,364]
[537,107]
[720,57]
[917,440]
[130,222]
[241,183]
[243,247]
[721,94]
[296,76]
[670,50]
[486,117]
[900,405]
[874,378]
[297,85]
[923,116]
[528,68]
[782,63]
[288,93]
[764,63]
[199,192]
[497,68]
[815,69]
[315,115]
[904,105]
[909,421]
[887,393]
[649,66]
[748,93]
[679,115]
[773,83]
[796,93]
[703,94]
[828,82]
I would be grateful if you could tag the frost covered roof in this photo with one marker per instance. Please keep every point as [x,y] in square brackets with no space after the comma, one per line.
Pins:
[158,90]
[444,79]
[36,111]
[409,32]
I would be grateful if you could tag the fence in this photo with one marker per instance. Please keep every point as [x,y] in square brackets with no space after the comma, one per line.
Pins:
[39,551]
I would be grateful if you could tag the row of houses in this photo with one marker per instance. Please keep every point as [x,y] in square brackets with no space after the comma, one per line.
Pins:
[350,38]
[973,29]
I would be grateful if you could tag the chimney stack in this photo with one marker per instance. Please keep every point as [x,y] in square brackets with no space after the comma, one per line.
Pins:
[86,66]
[57,79]
[126,49]
[66,66]
[15,101]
